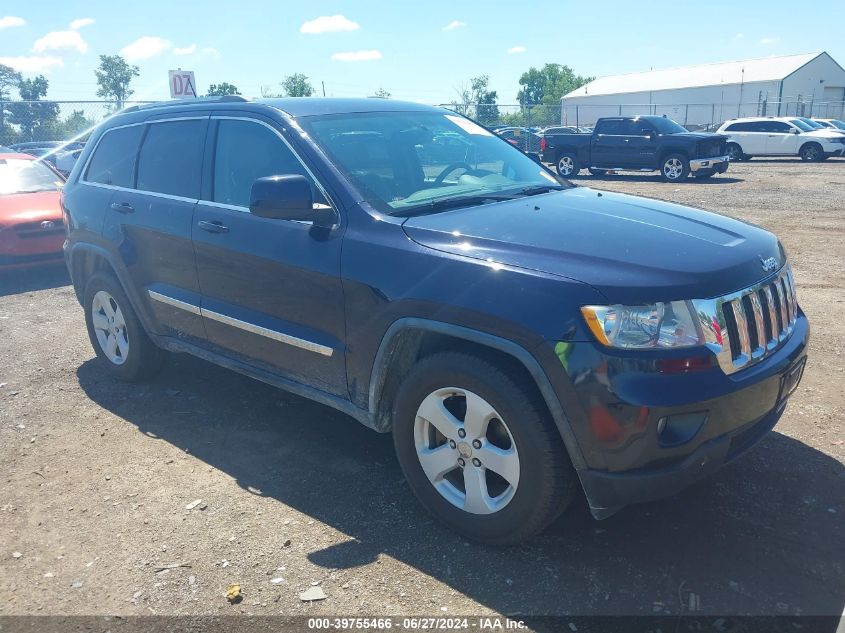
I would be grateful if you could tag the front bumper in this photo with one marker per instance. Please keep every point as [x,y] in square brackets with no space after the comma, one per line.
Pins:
[717,163]
[617,403]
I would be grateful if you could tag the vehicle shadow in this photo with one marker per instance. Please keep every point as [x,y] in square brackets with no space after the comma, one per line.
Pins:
[18,280]
[761,537]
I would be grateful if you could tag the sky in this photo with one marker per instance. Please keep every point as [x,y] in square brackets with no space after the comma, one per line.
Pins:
[424,50]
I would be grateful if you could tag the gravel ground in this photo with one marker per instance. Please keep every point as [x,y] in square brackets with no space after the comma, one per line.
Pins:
[98,476]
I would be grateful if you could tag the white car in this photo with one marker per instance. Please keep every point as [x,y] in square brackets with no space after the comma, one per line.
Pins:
[780,136]
[833,124]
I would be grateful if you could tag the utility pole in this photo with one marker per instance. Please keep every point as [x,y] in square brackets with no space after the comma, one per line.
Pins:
[323,83]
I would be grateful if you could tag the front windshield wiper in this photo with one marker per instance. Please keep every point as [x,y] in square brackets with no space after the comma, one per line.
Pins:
[538,189]
[441,204]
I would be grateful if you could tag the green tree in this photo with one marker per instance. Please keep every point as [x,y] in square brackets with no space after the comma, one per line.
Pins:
[483,100]
[33,116]
[9,80]
[548,84]
[76,124]
[114,75]
[222,90]
[297,85]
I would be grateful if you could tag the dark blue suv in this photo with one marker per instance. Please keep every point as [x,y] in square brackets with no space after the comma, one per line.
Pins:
[520,337]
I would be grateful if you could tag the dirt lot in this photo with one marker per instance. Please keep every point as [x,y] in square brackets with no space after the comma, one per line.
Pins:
[96,477]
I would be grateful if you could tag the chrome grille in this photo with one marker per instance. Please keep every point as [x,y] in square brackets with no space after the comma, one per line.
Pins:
[746,326]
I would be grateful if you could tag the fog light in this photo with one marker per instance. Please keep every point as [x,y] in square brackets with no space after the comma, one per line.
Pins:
[674,430]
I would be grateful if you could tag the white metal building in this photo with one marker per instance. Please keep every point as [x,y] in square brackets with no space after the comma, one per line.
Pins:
[812,84]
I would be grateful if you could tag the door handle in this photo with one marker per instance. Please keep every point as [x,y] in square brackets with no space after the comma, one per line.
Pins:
[213,226]
[122,207]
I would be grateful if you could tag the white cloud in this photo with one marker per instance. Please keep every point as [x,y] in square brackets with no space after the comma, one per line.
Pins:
[357,56]
[769,40]
[329,24]
[145,48]
[516,49]
[80,22]
[738,36]
[454,24]
[187,50]
[32,63]
[10,21]
[59,41]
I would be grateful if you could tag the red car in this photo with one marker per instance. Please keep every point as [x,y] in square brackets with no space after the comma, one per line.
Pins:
[31,225]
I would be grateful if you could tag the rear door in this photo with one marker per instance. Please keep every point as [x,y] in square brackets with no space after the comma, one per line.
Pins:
[271,289]
[609,146]
[781,139]
[751,136]
[150,223]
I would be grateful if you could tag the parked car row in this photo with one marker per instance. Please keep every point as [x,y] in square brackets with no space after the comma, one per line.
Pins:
[782,136]
[60,154]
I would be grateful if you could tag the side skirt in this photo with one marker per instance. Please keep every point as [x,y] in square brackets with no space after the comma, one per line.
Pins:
[317,395]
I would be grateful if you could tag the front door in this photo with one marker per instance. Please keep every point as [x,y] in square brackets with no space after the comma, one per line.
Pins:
[271,289]
[781,139]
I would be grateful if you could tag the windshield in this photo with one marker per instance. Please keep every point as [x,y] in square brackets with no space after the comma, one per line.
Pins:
[801,125]
[813,124]
[19,175]
[404,162]
[837,123]
[666,126]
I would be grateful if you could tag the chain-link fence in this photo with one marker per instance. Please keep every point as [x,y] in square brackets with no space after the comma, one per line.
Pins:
[28,121]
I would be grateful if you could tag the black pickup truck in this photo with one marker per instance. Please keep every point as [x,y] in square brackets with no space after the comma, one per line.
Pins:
[642,143]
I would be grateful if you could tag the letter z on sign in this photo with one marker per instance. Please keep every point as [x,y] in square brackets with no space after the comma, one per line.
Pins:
[182,84]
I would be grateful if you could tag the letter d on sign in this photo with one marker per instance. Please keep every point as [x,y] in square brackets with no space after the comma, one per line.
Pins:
[182,84]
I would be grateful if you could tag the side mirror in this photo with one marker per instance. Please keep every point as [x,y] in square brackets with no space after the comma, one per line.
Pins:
[796,131]
[288,197]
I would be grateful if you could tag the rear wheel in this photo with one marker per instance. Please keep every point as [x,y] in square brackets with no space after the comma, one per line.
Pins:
[674,168]
[811,153]
[478,449]
[567,165]
[116,334]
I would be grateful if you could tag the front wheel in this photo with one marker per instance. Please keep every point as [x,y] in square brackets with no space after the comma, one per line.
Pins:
[567,165]
[116,334]
[674,168]
[704,173]
[735,152]
[479,450]
[812,153]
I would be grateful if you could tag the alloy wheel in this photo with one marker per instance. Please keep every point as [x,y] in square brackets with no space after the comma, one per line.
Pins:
[673,168]
[110,327]
[466,450]
[565,166]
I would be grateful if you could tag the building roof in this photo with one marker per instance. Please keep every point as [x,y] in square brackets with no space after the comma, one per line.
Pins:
[762,69]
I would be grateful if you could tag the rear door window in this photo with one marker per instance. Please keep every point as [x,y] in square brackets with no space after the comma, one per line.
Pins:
[113,162]
[171,158]
[610,126]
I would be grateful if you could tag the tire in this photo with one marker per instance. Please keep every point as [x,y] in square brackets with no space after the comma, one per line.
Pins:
[674,168]
[811,153]
[598,173]
[702,174]
[734,152]
[567,165]
[517,427]
[132,356]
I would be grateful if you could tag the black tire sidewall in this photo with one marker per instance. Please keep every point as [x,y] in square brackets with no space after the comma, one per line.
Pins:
[739,154]
[522,419]
[140,357]
[817,147]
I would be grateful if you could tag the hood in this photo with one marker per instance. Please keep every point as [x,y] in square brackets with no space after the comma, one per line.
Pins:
[827,133]
[29,207]
[628,248]
[700,136]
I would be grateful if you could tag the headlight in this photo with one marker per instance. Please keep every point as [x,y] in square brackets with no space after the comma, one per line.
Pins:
[656,326]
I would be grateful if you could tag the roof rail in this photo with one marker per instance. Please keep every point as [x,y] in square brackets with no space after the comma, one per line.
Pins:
[178,102]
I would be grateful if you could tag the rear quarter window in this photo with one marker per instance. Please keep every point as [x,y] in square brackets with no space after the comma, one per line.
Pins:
[114,158]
